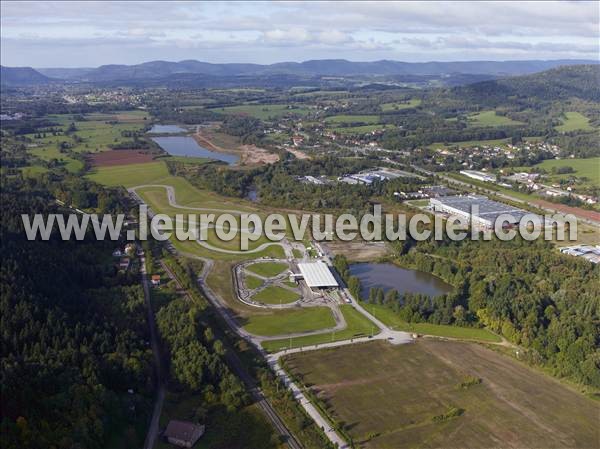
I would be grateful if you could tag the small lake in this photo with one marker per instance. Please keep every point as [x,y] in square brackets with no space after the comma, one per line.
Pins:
[166,129]
[187,146]
[388,276]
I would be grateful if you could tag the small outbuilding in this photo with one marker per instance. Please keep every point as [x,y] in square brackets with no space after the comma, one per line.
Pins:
[183,433]
[155,280]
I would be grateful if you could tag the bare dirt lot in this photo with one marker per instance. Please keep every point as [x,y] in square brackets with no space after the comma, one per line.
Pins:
[577,211]
[357,251]
[119,157]
[210,138]
[299,154]
[397,397]
[251,155]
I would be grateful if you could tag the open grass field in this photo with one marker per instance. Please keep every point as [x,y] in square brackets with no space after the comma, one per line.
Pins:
[49,153]
[264,111]
[252,282]
[33,170]
[186,159]
[304,319]
[390,399]
[129,175]
[118,157]
[96,133]
[490,118]
[365,119]
[363,129]
[584,168]
[412,103]
[267,269]
[471,143]
[440,330]
[358,326]
[273,294]
[574,121]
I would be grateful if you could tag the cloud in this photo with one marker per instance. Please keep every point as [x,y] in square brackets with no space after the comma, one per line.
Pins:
[275,31]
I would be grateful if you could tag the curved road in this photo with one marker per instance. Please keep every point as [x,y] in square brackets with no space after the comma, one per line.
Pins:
[394,337]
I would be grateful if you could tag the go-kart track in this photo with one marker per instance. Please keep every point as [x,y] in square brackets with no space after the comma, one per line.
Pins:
[307,297]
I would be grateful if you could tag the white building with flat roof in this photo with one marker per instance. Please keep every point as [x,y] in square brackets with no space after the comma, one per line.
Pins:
[317,275]
[479,175]
[479,209]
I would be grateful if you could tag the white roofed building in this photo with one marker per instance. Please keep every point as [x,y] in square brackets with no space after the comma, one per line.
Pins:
[317,275]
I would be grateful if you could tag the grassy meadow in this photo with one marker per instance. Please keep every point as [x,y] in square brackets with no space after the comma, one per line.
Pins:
[440,394]
[574,121]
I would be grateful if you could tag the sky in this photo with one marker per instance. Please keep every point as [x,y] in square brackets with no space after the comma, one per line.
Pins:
[89,34]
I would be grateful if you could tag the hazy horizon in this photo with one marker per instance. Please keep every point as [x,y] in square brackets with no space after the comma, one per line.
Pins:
[306,60]
[91,34]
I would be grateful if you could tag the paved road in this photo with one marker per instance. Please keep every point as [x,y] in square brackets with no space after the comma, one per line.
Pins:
[204,243]
[173,203]
[394,337]
[160,394]
[235,362]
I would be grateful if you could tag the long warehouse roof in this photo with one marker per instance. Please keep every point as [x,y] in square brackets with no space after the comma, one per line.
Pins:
[317,274]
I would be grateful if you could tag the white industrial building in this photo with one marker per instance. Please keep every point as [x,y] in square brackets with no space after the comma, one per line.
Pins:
[479,209]
[316,275]
[479,175]
[588,252]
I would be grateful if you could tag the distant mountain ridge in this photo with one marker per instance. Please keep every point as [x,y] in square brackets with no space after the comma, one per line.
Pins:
[167,70]
[21,76]
[325,67]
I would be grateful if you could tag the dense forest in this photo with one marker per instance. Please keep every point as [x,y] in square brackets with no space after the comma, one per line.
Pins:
[279,185]
[76,370]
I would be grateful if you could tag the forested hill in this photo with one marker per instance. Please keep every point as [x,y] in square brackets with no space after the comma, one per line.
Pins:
[73,335]
[579,81]
[21,76]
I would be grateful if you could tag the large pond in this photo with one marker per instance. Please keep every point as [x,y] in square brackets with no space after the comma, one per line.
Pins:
[388,276]
[187,146]
[166,129]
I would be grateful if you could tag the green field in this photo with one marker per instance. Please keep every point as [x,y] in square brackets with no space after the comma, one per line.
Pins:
[264,111]
[364,129]
[583,168]
[186,159]
[267,269]
[130,175]
[574,121]
[489,118]
[273,294]
[471,143]
[48,153]
[391,319]
[33,170]
[358,326]
[412,103]
[252,282]
[287,321]
[95,133]
[364,119]
[393,397]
